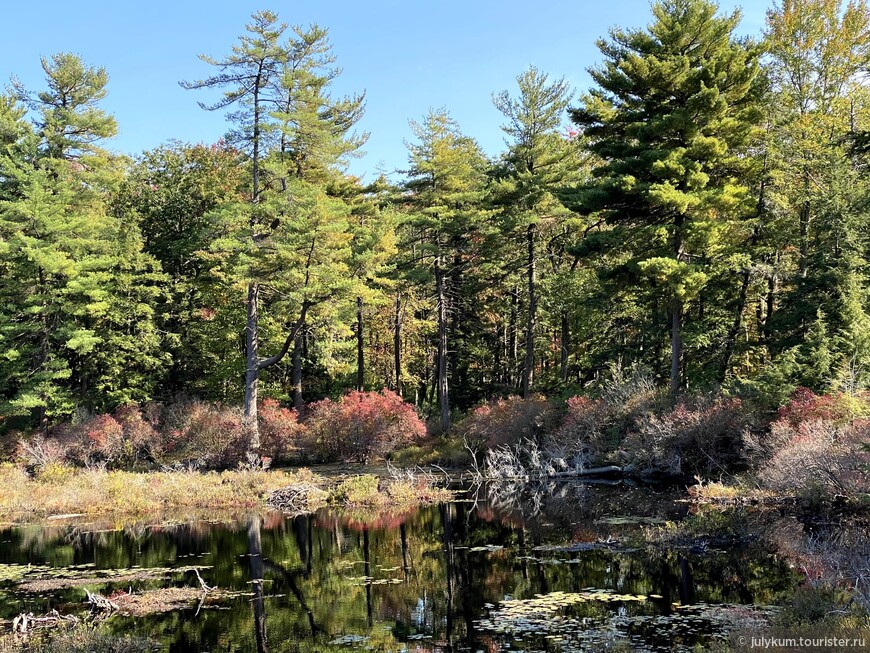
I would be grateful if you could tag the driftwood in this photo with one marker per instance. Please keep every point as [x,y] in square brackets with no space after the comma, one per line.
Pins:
[100,602]
[25,622]
[297,498]
[610,470]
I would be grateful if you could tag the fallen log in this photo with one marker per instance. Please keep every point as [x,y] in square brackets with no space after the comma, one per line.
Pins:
[609,470]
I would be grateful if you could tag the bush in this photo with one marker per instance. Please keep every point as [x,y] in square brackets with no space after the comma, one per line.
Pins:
[579,435]
[360,427]
[210,435]
[281,434]
[818,459]
[118,440]
[806,406]
[699,436]
[39,452]
[357,490]
[507,422]
[138,432]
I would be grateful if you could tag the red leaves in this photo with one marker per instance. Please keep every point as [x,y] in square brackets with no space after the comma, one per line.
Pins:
[361,426]
[806,406]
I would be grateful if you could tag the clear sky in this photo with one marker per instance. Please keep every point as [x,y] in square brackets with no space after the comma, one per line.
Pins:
[407,55]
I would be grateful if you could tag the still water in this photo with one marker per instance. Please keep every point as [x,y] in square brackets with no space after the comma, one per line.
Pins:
[570,570]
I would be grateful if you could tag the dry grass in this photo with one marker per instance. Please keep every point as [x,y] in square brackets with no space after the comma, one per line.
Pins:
[721,493]
[62,490]
[74,640]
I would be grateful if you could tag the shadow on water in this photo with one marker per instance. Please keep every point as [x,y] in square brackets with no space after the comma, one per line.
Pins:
[486,574]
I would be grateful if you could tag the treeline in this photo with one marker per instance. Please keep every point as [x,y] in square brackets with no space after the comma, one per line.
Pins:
[701,212]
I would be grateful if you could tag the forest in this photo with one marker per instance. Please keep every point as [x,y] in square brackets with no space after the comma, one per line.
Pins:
[698,217]
[608,390]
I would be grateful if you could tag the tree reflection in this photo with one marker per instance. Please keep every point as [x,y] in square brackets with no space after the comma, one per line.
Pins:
[255,556]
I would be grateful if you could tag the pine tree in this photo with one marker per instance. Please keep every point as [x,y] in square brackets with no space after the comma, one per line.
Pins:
[290,245]
[539,161]
[446,180]
[76,302]
[673,109]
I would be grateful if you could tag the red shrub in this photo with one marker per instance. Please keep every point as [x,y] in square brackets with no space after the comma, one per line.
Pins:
[138,431]
[806,406]
[209,434]
[280,430]
[361,426]
[584,415]
[104,433]
[818,458]
[507,421]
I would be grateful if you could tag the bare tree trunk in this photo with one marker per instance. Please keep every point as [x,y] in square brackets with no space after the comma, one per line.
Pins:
[529,367]
[676,344]
[565,347]
[770,305]
[512,338]
[443,394]
[499,341]
[252,369]
[804,228]
[676,309]
[252,361]
[296,380]
[731,339]
[360,357]
[397,345]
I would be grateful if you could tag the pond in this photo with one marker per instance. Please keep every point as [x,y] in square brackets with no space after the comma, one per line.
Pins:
[566,569]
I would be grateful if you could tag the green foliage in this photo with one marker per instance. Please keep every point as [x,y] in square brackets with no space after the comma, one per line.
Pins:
[674,108]
[79,294]
[703,219]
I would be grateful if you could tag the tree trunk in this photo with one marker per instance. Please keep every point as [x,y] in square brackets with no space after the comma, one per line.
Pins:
[770,305]
[252,369]
[296,379]
[360,357]
[529,367]
[397,345]
[443,394]
[252,361]
[512,338]
[731,339]
[804,228]
[565,347]
[676,344]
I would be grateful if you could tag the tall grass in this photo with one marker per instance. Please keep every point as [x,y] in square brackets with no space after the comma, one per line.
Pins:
[59,489]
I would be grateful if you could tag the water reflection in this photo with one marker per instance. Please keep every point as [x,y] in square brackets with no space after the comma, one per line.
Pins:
[418,581]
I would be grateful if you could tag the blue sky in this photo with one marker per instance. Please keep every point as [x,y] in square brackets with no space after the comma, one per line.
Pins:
[408,56]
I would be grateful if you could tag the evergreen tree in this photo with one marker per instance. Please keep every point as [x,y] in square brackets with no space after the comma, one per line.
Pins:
[819,51]
[673,109]
[173,192]
[447,185]
[539,162]
[77,302]
[290,245]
